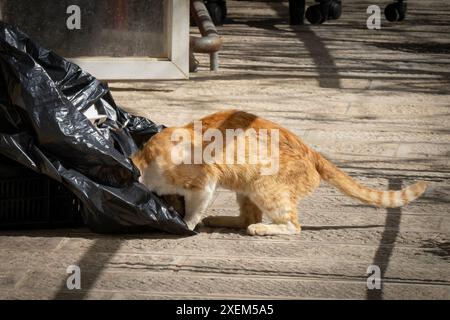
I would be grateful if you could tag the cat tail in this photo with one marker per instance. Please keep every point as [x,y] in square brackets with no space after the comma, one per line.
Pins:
[387,199]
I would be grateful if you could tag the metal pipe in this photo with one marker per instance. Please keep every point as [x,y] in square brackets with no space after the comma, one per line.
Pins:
[210,42]
[214,61]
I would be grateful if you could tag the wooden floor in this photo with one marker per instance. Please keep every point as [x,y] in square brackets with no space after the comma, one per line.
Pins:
[376,102]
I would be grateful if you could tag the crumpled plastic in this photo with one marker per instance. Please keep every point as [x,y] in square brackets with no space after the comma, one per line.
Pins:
[58,120]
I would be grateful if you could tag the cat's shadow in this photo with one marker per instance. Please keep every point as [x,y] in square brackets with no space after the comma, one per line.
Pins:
[242,232]
[85,233]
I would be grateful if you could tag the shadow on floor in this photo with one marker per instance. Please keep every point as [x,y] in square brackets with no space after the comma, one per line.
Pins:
[316,48]
[114,243]
[304,228]
[92,255]
[383,253]
[325,68]
[83,263]
[318,228]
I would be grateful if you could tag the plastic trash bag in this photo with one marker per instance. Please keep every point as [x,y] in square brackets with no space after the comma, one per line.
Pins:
[60,121]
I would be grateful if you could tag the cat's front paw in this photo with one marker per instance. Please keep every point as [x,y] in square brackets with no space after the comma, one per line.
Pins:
[192,224]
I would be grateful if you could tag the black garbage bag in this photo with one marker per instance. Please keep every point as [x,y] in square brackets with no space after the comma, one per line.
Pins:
[44,102]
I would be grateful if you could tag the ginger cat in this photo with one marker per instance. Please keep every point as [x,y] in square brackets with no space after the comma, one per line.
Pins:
[274,194]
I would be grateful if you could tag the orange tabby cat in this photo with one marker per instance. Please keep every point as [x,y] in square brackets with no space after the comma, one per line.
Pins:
[274,194]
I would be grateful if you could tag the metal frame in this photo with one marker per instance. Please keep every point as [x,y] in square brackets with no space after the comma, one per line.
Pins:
[210,42]
[176,66]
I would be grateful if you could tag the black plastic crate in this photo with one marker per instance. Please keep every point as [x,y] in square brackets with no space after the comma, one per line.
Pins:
[31,200]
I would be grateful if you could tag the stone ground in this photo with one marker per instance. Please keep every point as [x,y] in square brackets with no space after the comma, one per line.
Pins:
[376,102]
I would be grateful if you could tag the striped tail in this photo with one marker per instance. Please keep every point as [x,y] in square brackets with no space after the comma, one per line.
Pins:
[387,199]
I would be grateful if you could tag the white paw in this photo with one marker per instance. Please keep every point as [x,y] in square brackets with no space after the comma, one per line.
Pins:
[191,225]
[257,229]
[261,229]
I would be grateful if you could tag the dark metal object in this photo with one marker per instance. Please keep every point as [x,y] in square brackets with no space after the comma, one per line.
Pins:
[217,10]
[395,11]
[296,12]
[323,11]
[32,200]
[332,9]
[210,42]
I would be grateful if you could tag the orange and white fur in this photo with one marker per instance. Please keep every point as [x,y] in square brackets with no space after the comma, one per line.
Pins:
[275,196]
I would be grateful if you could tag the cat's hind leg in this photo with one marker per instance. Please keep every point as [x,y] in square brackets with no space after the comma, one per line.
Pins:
[249,214]
[281,208]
